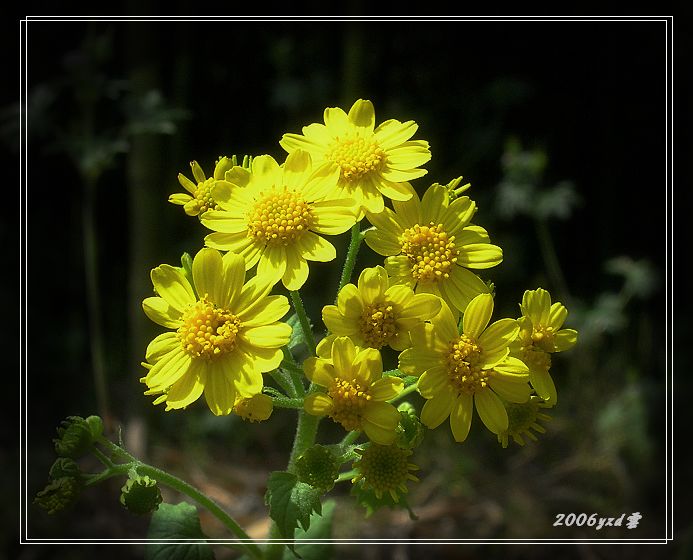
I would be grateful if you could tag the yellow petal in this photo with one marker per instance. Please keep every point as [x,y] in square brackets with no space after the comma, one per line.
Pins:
[386,388]
[565,339]
[350,302]
[315,248]
[544,386]
[162,313]
[333,217]
[187,389]
[461,417]
[343,356]
[168,369]
[372,284]
[463,286]
[491,411]
[207,269]
[338,323]
[362,114]
[396,190]
[536,304]
[337,121]
[179,198]
[266,170]
[511,392]
[499,335]
[392,133]
[161,345]
[319,371]
[224,222]
[296,272]
[434,204]
[272,264]
[318,404]
[382,243]
[197,172]
[297,169]
[437,409]
[434,381]
[477,315]
[480,256]
[268,310]
[220,393]
[267,336]
[367,366]
[171,285]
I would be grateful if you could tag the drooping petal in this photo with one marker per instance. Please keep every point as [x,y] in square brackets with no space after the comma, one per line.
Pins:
[219,391]
[380,421]
[491,410]
[187,389]
[544,386]
[461,417]
[296,272]
[168,369]
[557,316]
[437,409]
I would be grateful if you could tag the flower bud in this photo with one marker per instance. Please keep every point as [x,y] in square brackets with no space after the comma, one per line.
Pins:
[59,494]
[74,438]
[319,467]
[64,467]
[410,431]
[95,427]
[140,495]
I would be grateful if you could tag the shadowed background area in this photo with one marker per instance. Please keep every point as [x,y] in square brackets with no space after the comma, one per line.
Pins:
[560,128]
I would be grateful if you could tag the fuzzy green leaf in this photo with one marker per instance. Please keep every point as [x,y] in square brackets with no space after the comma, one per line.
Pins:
[178,521]
[291,502]
[320,528]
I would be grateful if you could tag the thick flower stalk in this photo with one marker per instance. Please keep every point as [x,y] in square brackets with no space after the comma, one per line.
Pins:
[226,333]
[375,314]
[274,216]
[430,245]
[356,391]
[373,161]
[540,336]
[460,372]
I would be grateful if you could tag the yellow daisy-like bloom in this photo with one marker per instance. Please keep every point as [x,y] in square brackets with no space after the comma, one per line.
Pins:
[200,198]
[356,391]
[540,336]
[226,333]
[254,409]
[272,216]
[430,245]
[385,469]
[522,419]
[374,162]
[458,372]
[374,314]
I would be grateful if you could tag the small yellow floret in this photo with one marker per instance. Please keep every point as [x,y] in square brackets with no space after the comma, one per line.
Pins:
[280,217]
[356,156]
[431,252]
[208,331]
[349,400]
[463,366]
[377,324]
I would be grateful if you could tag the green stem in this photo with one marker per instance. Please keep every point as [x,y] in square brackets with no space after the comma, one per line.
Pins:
[348,475]
[303,320]
[350,438]
[184,488]
[548,253]
[350,262]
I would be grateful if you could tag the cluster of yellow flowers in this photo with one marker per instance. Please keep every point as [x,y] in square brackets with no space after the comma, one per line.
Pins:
[426,302]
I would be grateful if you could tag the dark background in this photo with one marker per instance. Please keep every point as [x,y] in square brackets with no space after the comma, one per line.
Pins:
[118,109]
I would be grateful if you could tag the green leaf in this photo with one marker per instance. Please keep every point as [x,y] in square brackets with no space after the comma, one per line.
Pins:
[320,528]
[291,502]
[296,332]
[178,521]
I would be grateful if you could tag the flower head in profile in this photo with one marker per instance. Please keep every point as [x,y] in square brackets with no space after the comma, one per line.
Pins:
[356,391]
[523,418]
[199,197]
[460,372]
[374,314]
[225,333]
[373,161]
[430,245]
[384,470]
[274,216]
[540,336]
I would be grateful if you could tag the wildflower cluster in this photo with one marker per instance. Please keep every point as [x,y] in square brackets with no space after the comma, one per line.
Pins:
[230,339]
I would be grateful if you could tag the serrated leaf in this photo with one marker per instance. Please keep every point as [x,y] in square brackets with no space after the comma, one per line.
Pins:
[320,528]
[291,502]
[178,521]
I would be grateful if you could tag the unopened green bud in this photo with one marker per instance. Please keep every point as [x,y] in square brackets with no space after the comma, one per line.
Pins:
[319,467]
[141,495]
[95,426]
[74,438]
[64,467]
[410,431]
[59,494]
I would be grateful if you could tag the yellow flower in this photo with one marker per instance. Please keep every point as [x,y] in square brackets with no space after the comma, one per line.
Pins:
[356,391]
[272,216]
[226,333]
[375,314]
[373,161]
[384,469]
[541,335]
[200,198]
[522,419]
[458,372]
[430,245]
[254,409]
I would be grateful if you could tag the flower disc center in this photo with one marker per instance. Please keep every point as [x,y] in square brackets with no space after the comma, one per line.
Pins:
[208,331]
[349,399]
[280,217]
[431,252]
[377,324]
[356,156]
[464,370]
